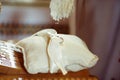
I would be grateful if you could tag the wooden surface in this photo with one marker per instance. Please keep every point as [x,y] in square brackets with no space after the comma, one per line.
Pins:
[81,75]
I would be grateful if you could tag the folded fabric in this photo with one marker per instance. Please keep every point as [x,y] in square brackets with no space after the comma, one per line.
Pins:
[54,59]
[35,55]
[75,55]
[53,52]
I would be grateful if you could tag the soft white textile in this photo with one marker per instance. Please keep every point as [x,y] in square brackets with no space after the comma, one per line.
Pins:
[48,51]
[35,57]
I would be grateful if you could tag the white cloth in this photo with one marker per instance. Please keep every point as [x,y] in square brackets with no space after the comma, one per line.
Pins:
[58,51]
[72,53]
[35,57]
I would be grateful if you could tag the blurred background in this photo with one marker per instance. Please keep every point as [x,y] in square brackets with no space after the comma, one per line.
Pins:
[21,18]
[97,22]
